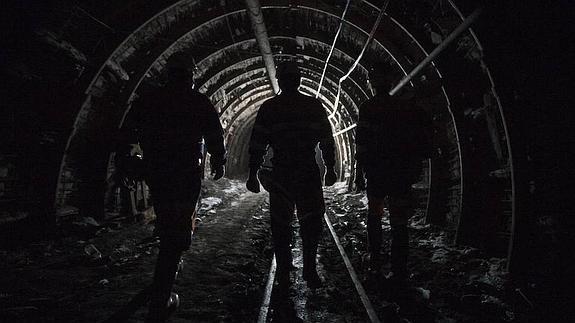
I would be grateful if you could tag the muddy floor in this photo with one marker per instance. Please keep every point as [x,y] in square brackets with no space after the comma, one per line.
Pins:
[94,269]
[222,278]
[448,283]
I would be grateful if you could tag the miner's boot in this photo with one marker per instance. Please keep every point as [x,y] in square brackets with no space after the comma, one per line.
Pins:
[374,233]
[310,264]
[162,301]
[284,266]
[400,212]
[281,236]
[174,300]
[310,232]
[399,251]
[281,215]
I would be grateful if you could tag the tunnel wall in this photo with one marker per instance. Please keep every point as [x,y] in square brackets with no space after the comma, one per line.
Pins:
[453,191]
[454,196]
[120,64]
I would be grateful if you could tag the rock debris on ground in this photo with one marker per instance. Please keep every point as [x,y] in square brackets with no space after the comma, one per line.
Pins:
[94,268]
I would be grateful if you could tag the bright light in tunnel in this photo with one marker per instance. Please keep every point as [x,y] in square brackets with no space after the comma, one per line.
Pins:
[240,114]
[232,76]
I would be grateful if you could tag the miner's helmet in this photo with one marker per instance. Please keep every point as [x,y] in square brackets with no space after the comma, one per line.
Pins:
[288,75]
[288,69]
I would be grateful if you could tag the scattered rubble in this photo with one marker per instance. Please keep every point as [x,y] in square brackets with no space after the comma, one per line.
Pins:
[115,259]
[450,283]
[94,267]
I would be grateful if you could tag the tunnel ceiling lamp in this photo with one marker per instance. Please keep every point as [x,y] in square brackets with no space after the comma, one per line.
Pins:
[454,34]
[367,42]
[342,19]
[255,13]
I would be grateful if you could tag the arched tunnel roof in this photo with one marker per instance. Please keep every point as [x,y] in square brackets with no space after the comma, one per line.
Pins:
[232,72]
[72,69]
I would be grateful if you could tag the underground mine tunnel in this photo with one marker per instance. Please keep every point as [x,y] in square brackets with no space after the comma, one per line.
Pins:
[491,231]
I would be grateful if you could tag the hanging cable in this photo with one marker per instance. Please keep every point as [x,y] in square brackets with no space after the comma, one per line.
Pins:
[367,42]
[342,19]
[454,34]
[100,22]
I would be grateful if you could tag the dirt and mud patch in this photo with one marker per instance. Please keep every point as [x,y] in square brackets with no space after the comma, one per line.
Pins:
[448,283]
[93,269]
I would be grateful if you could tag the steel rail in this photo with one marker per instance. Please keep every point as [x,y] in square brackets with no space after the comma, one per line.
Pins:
[357,283]
[373,318]
[264,309]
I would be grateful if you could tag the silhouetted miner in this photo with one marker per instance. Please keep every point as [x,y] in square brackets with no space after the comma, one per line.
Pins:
[120,179]
[293,124]
[171,122]
[391,142]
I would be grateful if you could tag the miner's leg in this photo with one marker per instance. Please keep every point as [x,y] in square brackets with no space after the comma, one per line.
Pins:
[281,211]
[400,211]
[164,276]
[310,210]
[374,231]
[174,224]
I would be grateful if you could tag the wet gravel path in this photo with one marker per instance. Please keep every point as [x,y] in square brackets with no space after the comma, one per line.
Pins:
[449,283]
[222,280]
[226,270]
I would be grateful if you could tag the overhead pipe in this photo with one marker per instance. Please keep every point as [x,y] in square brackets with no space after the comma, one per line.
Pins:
[460,29]
[255,13]
[367,42]
[454,34]
[342,19]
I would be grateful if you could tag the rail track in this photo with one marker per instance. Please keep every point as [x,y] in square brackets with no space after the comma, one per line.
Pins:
[299,294]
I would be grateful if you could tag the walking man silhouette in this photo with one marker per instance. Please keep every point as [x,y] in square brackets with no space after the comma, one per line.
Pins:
[293,125]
